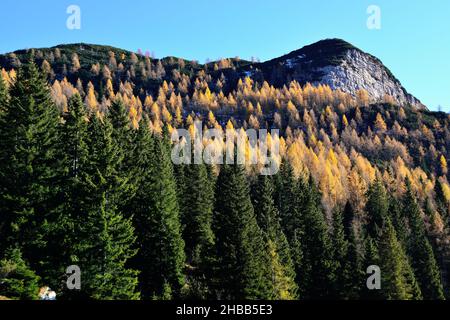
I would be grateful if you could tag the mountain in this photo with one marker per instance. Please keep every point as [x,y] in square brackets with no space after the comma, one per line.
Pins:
[340,65]
[332,62]
[362,181]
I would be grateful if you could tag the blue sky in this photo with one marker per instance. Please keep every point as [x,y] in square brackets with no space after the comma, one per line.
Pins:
[413,40]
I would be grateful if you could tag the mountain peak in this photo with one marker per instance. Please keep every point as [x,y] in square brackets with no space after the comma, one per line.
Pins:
[340,65]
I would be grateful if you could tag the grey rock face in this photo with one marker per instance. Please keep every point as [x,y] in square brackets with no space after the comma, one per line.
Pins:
[361,71]
[340,65]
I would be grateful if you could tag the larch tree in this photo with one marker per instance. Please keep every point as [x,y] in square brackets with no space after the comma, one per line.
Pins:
[4,96]
[379,124]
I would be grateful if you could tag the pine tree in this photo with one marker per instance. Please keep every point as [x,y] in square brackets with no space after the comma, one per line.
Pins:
[74,160]
[123,137]
[354,275]
[161,254]
[349,273]
[371,258]
[198,202]
[30,167]
[285,196]
[279,251]
[196,198]
[106,237]
[399,220]
[288,200]
[340,252]
[420,250]
[107,247]
[17,280]
[376,208]
[398,280]
[241,271]
[318,267]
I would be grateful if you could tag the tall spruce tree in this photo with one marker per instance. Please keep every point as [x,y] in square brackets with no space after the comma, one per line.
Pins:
[106,237]
[318,267]
[354,271]
[73,143]
[398,280]
[419,249]
[197,211]
[242,260]
[196,206]
[17,280]
[289,200]
[371,258]
[29,168]
[123,136]
[376,208]
[399,220]
[161,254]
[286,198]
[279,250]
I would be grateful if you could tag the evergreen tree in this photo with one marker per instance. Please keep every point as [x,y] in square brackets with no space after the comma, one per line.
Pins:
[353,273]
[441,201]
[161,254]
[318,268]
[106,237]
[399,220]
[349,273]
[198,202]
[73,143]
[106,249]
[279,251]
[348,217]
[371,258]
[196,198]
[340,254]
[376,208]
[242,259]
[398,280]
[286,197]
[123,136]
[289,200]
[29,169]
[17,280]
[420,250]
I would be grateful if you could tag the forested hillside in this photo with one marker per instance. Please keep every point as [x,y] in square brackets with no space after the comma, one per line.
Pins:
[86,178]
